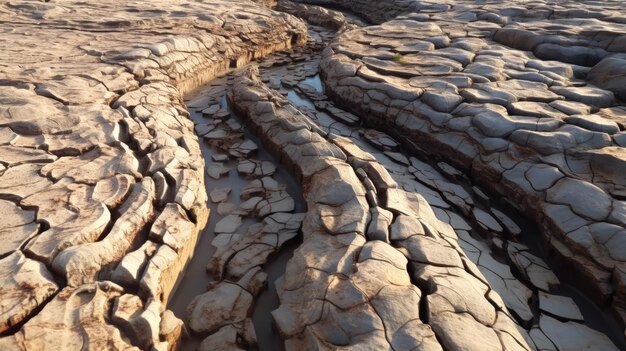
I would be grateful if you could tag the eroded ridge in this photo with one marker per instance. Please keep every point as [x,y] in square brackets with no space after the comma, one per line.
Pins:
[526,125]
[346,286]
[101,177]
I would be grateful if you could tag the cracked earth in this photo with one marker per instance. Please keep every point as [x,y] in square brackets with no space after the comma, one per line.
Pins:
[313,175]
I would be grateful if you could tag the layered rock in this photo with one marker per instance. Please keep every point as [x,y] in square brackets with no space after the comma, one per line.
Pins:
[318,15]
[381,11]
[97,316]
[27,284]
[102,177]
[101,173]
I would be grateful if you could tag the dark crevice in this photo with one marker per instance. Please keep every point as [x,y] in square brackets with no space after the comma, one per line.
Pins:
[424,308]
[295,38]
[441,342]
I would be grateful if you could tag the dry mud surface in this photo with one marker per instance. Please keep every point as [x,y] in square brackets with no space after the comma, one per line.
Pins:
[391,175]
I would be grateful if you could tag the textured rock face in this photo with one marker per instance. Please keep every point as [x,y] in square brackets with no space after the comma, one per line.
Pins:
[74,319]
[253,219]
[101,176]
[528,126]
[341,289]
[319,16]
[488,100]
[26,285]
[102,186]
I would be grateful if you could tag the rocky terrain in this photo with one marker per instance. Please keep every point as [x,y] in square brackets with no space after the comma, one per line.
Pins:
[529,126]
[102,178]
[389,175]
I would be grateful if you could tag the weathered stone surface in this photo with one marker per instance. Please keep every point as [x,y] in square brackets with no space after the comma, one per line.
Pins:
[27,284]
[583,198]
[573,336]
[225,303]
[82,264]
[131,267]
[455,81]
[23,180]
[17,227]
[486,220]
[462,332]
[73,216]
[532,267]
[609,74]
[98,155]
[172,227]
[85,310]
[325,266]
[559,306]
[228,224]
[380,221]
[171,330]
[251,167]
[226,339]
[161,272]
[532,127]
[238,254]
[113,191]
[102,162]
[140,323]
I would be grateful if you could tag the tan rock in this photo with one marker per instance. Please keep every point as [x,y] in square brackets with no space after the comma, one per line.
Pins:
[131,267]
[225,303]
[73,216]
[113,191]
[83,263]
[85,310]
[171,329]
[27,284]
[139,322]
[23,180]
[173,228]
[461,331]
[102,162]
[17,227]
